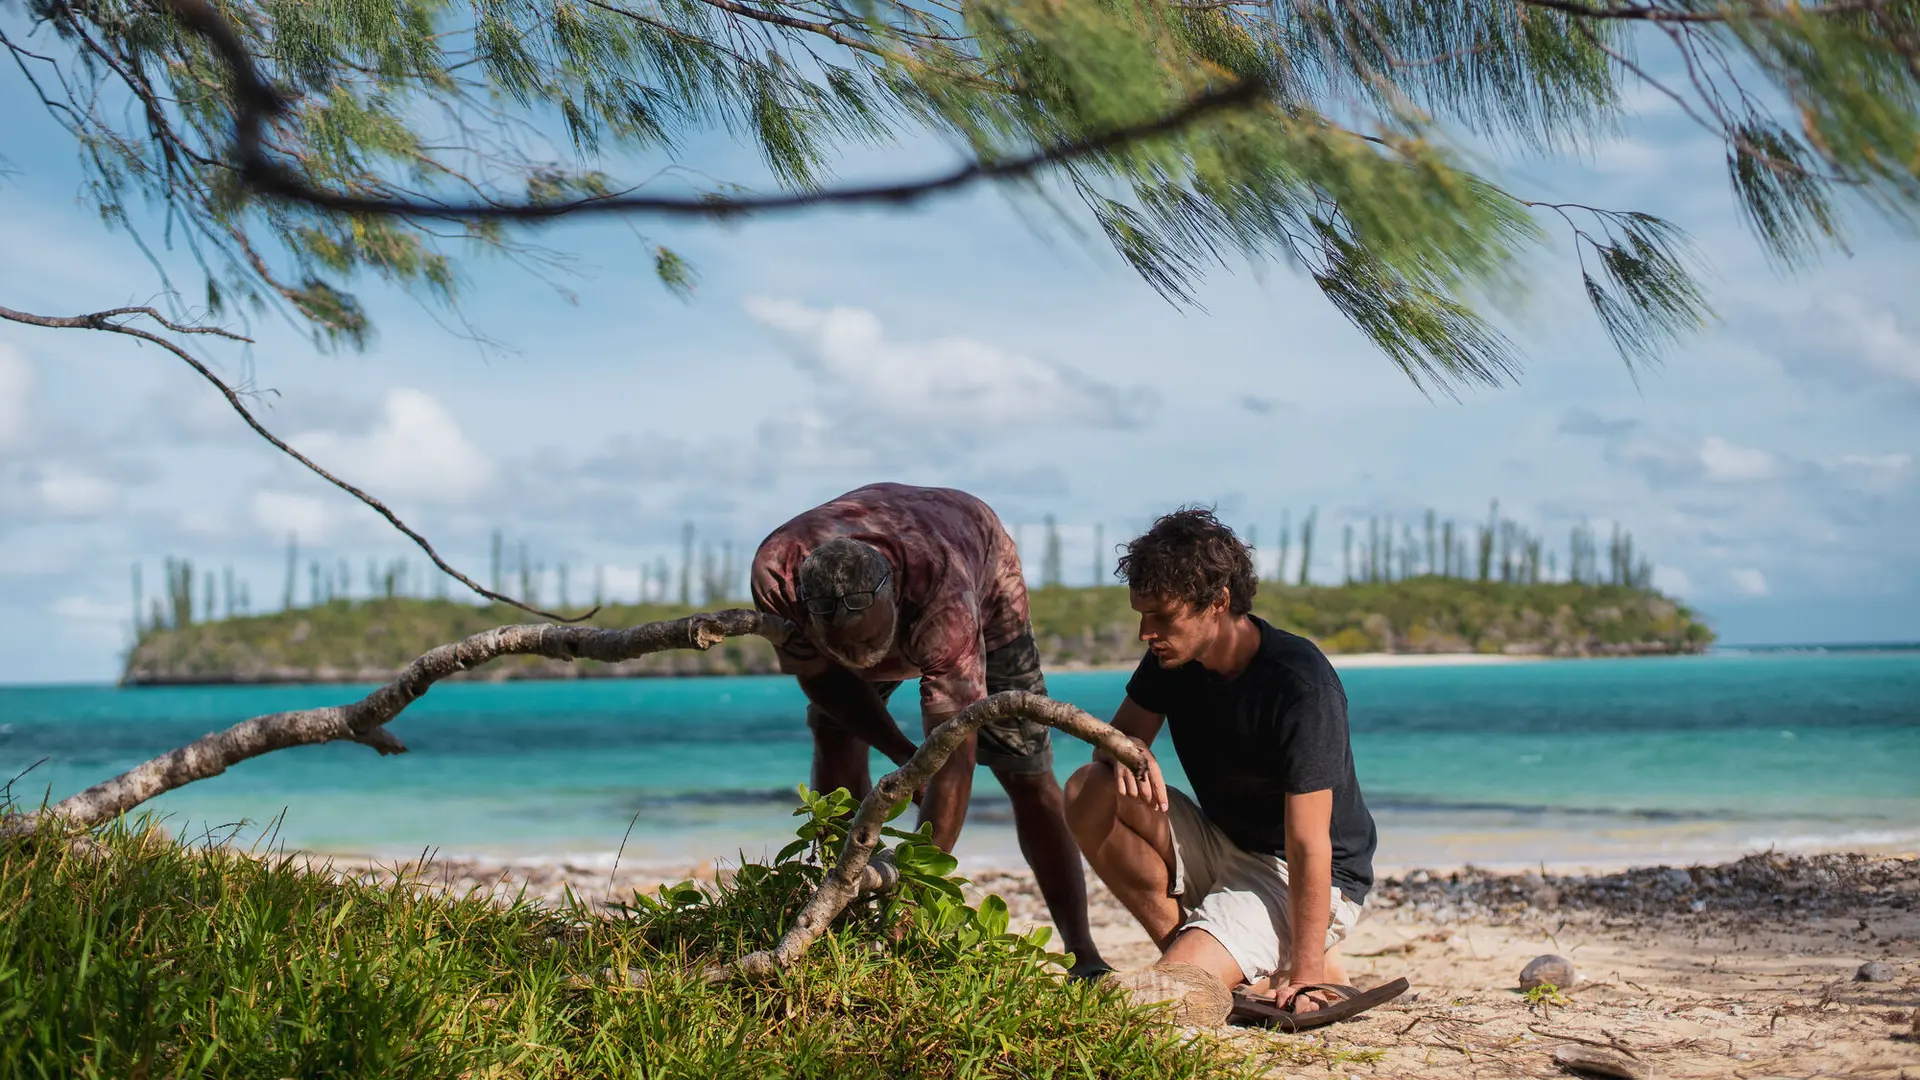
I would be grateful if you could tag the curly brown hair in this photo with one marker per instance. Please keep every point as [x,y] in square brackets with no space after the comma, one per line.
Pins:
[1189,555]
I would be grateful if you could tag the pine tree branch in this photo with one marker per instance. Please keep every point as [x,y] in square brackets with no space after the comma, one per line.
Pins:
[109,321]
[256,103]
[747,11]
[1654,14]
[363,720]
[847,879]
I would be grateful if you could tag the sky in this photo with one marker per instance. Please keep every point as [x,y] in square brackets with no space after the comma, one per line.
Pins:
[1766,467]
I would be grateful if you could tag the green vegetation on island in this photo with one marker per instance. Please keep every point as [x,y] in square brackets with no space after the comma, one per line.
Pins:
[369,640]
[1492,588]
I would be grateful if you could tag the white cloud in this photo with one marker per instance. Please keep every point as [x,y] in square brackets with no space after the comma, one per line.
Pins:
[1879,473]
[952,383]
[1672,580]
[73,492]
[1879,462]
[1845,339]
[1748,581]
[416,450]
[87,609]
[1874,341]
[1671,456]
[309,517]
[1733,463]
[16,390]
[1630,158]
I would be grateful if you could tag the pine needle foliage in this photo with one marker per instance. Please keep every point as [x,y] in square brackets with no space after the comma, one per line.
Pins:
[1350,167]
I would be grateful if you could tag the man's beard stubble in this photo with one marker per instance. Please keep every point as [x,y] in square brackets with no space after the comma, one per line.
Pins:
[859,661]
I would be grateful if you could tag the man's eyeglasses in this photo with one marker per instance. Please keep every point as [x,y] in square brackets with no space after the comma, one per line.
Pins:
[824,606]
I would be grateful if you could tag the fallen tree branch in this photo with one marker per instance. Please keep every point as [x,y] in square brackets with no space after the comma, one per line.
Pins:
[363,720]
[856,871]
[112,322]
[844,882]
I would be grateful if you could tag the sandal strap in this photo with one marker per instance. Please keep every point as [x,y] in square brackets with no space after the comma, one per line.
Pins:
[1340,991]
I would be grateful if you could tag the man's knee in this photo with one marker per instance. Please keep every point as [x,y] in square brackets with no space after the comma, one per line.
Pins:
[1087,780]
[1091,807]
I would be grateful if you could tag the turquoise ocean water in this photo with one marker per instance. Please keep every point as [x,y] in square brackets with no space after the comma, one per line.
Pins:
[1569,763]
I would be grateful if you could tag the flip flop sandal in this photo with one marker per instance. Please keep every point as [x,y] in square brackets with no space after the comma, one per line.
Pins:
[1348,1003]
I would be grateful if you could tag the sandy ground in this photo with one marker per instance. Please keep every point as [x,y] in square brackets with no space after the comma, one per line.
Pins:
[1745,969]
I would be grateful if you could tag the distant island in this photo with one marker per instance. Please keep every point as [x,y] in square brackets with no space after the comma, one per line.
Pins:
[369,640]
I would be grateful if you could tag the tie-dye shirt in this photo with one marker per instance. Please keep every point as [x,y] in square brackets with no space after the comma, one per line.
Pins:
[957,581]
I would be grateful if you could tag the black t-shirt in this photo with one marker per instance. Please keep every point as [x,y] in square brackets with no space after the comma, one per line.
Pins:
[1246,743]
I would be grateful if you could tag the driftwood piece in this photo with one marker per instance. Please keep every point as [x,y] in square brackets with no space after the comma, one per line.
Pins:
[362,721]
[841,884]
[1596,1062]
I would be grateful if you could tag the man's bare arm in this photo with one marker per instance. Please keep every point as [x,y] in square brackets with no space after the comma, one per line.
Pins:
[1141,724]
[1309,889]
[852,700]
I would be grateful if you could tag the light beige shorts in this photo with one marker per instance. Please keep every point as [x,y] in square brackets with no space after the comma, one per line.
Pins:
[1238,896]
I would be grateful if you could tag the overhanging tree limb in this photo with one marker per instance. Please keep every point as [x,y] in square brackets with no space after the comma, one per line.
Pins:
[113,321]
[363,721]
[1654,13]
[256,102]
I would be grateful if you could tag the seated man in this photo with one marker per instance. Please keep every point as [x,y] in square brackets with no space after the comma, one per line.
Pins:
[1258,876]
[888,582]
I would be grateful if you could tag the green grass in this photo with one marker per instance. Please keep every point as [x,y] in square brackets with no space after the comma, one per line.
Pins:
[146,958]
[368,639]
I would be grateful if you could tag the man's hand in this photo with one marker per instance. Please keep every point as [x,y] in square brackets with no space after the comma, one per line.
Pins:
[1305,1002]
[1152,790]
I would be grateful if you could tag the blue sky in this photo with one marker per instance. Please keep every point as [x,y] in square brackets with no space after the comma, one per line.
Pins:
[1767,468]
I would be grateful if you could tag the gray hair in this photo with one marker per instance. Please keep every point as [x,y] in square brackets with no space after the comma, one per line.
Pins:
[841,566]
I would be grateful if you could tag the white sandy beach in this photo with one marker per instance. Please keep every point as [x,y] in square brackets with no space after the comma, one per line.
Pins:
[1741,970]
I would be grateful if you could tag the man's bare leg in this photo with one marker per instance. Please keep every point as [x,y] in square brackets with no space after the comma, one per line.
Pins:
[1203,950]
[839,761]
[945,803]
[1336,971]
[1040,821]
[1129,846]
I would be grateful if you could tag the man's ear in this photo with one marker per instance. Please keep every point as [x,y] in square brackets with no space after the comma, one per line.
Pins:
[1221,603]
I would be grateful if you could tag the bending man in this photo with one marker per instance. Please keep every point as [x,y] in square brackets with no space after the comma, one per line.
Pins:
[1261,872]
[889,582]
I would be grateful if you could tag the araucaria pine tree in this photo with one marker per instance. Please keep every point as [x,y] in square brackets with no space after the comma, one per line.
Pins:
[1306,545]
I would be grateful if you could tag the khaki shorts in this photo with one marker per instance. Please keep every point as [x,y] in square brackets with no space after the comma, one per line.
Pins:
[1238,896]
[1013,747]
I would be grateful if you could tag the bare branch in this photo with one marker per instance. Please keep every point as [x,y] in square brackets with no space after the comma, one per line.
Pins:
[103,320]
[257,102]
[848,877]
[106,320]
[361,721]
